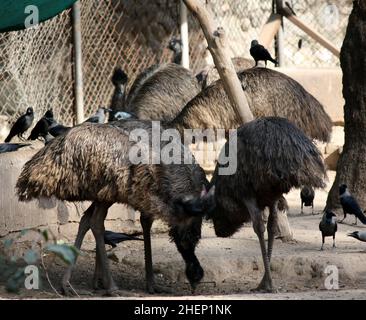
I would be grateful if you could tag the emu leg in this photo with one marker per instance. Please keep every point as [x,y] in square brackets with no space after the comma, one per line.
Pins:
[271,229]
[258,226]
[146,223]
[84,227]
[97,226]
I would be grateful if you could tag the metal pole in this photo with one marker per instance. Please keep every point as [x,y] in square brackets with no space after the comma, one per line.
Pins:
[280,37]
[78,63]
[184,34]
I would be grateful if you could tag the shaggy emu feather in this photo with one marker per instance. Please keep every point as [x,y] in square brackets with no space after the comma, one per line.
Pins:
[269,93]
[80,166]
[161,92]
[273,157]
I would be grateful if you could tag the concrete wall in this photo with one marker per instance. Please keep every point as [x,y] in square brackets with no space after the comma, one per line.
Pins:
[325,84]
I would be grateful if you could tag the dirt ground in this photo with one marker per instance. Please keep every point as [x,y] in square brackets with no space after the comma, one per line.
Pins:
[233,266]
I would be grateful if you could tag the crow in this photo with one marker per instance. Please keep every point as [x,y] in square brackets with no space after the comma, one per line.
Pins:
[359,235]
[307,195]
[350,205]
[41,127]
[99,116]
[328,226]
[56,129]
[113,238]
[258,52]
[9,147]
[20,126]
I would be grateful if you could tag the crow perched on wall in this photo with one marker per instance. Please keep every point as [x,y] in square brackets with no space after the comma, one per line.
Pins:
[41,127]
[22,124]
[307,195]
[350,205]
[359,235]
[260,53]
[328,226]
[9,147]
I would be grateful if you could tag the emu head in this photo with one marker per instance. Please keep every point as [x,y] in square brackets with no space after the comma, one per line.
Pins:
[175,45]
[253,43]
[190,206]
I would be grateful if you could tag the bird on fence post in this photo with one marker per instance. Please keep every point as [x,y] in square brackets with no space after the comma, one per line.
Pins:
[258,52]
[22,124]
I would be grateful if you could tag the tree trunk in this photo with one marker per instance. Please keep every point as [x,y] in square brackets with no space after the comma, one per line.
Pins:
[217,45]
[351,167]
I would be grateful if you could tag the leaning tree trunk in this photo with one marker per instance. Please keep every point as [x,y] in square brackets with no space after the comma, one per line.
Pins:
[351,168]
[217,45]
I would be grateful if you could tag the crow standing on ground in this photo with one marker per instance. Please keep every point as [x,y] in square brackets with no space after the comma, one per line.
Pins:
[350,205]
[113,238]
[9,147]
[359,235]
[21,125]
[328,226]
[41,127]
[99,116]
[307,195]
[258,52]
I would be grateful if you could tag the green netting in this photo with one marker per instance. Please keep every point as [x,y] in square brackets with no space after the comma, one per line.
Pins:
[13,12]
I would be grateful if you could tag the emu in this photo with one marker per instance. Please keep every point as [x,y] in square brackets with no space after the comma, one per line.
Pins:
[161,92]
[82,166]
[273,156]
[269,93]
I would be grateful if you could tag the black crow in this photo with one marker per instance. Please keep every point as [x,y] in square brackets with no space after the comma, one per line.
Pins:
[359,235]
[258,52]
[307,195]
[175,45]
[55,129]
[99,116]
[113,238]
[350,205]
[9,147]
[41,127]
[20,126]
[328,226]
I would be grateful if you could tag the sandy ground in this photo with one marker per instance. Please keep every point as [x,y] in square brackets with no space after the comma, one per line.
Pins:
[233,266]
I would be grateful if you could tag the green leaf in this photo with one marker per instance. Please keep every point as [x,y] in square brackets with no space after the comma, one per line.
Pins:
[8,243]
[15,281]
[30,256]
[66,252]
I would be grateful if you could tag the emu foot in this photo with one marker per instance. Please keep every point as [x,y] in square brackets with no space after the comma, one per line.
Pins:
[265,286]
[156,288]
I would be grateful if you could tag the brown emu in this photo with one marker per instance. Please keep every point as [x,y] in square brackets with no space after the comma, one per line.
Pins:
[80,166]
[273,156]
[269,93]
[161,92]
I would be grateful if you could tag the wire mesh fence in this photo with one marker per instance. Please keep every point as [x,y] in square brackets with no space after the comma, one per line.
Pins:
[36,65]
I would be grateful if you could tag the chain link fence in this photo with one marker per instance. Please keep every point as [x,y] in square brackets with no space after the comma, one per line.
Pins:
[36,65]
